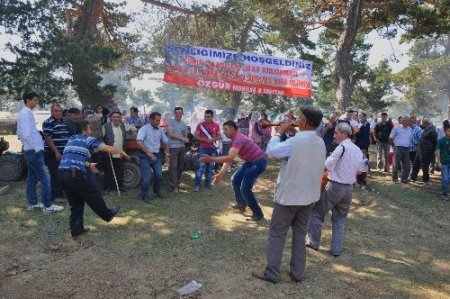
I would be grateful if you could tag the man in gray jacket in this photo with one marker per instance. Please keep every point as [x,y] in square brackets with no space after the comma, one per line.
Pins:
[298,188]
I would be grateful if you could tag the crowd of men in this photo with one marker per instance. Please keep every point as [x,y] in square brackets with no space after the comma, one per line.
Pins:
[74,142]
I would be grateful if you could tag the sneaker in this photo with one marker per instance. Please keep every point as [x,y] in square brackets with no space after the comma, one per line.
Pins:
[444,197]
[196,188]
[175,190]
[53,208]
[36,206]
[363,187]
[209,186]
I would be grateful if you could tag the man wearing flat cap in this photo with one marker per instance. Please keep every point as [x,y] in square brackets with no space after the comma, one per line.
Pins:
[297,189]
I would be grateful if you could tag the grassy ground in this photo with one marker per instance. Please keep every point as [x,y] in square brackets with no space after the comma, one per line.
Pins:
[396,246]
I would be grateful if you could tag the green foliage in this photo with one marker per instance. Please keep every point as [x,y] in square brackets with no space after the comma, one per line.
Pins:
[374,93]
[426,81]
[51,58]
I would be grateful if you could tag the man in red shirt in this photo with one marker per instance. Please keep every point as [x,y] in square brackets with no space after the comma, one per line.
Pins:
[245,177]
[206,132]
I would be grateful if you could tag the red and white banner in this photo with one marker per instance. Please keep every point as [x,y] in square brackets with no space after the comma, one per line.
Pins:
[237,72]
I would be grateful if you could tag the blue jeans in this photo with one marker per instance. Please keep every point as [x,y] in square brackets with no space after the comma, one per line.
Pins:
[37,171]
[150,169]
[445,173]
[243,180]
[208,166]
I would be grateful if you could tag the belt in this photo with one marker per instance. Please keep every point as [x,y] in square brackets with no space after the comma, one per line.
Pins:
[339,183]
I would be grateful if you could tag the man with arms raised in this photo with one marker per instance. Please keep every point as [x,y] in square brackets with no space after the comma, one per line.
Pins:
[245,177]
[298,188]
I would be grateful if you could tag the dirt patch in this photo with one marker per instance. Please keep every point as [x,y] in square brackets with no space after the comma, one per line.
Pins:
[396,246]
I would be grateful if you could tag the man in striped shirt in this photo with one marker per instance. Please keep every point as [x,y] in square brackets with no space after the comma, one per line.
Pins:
[245,177]
[56,136]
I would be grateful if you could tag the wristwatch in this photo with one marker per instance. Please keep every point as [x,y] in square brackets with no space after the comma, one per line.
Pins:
[167,154]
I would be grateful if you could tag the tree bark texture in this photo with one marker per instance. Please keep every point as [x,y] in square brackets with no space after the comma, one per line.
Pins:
[343,77]
[237,96]
[85,29]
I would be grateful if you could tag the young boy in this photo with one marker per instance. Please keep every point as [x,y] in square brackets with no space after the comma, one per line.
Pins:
[443,161]
[361,178]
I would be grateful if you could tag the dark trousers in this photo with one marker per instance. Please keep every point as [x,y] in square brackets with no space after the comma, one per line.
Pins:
[422,161]
[109,176]
[283,218]
[55,182]
[412,157]
[80,189]
[176,166]
[401,160]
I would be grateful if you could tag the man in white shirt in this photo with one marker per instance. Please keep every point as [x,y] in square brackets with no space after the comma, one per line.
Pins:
[342,165]
[149,139]
[33,148]
[298,188]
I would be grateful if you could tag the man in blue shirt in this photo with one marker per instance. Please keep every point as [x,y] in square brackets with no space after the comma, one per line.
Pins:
[56,136]
[77,184]
[149,139]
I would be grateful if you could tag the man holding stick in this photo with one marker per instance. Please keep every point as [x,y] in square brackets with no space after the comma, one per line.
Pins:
[297,189]
[77,185]
[245,177]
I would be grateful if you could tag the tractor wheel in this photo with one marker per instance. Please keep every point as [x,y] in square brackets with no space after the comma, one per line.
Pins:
[11,168]
[131,175]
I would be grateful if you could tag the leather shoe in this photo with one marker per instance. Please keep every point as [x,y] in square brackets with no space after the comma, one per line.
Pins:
[308,245]
[295,279]
[263,276]
[146,199]
[256,218]
[114,212]
[239,208]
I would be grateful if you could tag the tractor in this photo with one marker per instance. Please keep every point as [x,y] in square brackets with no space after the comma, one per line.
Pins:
[12,165]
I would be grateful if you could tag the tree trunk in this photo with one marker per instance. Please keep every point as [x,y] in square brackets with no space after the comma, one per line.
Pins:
[237,96]
[84,31]
[343,77]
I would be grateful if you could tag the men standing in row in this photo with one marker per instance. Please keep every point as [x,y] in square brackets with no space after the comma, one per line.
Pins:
[115,133]
[56,136]
[401,138]
[33,148]
[342,165]
[298,188]
[149,139]
[177,133]
[382,132]
[425,151]
[207,132]
[245,177]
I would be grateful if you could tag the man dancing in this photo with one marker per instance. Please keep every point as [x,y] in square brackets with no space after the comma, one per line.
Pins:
[245,177]
[297,189]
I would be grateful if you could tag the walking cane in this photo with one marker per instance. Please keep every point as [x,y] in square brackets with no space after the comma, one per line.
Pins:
[114,173]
